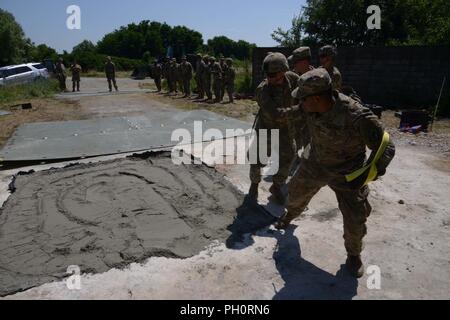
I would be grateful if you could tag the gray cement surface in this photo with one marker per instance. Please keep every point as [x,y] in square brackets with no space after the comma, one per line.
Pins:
[110,214]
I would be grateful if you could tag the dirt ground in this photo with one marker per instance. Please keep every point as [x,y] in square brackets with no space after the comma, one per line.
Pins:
[408,231]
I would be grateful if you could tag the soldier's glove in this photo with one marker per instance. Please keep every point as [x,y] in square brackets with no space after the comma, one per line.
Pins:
[385,160]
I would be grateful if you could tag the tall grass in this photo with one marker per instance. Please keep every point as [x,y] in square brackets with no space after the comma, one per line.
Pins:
[39,88]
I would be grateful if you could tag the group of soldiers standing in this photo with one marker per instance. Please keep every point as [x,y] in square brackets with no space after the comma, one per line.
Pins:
[75,69]
[310,111]
[211,77]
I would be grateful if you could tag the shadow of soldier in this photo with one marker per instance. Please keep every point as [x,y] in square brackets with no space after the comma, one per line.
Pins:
[303,280]
[250,218]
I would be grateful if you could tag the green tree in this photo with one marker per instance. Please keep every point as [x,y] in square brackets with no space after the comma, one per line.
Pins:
[14,46]
[343,22]
[85,46]
[291,38]
[229,48]
[42,51]
[133,40]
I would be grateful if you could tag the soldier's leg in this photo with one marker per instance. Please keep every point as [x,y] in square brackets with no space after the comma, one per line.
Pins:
[109,84]
[208,90]
[78,85]
[158,84]
[73,86]
[286,157]
[115,84]
[188,87]
[355,210]
[230,90]
[301,188]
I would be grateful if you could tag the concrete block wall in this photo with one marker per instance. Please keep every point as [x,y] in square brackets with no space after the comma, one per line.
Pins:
[396,77]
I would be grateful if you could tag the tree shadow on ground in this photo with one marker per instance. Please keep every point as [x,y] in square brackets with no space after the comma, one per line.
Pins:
[303,280]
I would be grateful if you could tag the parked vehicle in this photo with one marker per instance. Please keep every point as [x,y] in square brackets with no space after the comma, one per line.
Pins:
[23,73]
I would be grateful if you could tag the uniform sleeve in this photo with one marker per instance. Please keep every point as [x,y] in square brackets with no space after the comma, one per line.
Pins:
[372,133]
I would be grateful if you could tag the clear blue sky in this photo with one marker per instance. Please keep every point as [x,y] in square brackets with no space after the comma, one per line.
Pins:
[44,21]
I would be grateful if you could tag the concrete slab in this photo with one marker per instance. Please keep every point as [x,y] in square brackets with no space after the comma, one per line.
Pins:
[4,113]
[103,136]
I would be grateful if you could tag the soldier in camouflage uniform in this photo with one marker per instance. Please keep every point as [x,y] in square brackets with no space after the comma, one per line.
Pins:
[301,63]
[157,74]
[223,66]
[110,71]
[60,71]
[165,71]
[200,67]
[216,72]
[327,55]
[172,76]
[179,76]
[75,68]
[207,78]
[229,77]
[274,97]
[186,75]
[340,129]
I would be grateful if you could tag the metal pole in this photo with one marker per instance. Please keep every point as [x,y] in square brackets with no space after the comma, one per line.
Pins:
[437,104]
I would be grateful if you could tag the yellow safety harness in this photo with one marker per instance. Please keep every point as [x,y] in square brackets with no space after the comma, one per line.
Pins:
[372,165]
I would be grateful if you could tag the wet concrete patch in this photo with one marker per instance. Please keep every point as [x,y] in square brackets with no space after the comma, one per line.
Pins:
[108,215]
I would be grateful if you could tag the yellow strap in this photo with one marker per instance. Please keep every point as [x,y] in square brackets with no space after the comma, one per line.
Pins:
[373,165]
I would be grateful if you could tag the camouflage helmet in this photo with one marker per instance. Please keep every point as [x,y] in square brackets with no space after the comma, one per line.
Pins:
[183,57]
[275,62]
[108,58]
[327,51]
[312,83]
[199,55]
[301,53]
[212,59]
[229,60]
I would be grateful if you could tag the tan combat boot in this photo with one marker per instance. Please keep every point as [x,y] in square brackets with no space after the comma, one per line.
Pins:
[355,266]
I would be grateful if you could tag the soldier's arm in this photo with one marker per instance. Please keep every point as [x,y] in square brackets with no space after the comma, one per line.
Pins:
[372,133]
[337,80]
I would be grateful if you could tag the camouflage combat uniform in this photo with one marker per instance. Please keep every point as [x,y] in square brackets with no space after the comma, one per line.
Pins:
[110,71]
[179,77]
[206,74]
[335,75]
[338,140]
[76,76]
[270,99]
[200,67]
[229,78]
[216,72]
[298,125]
[186,75]
[157,74]
[60,71]
[223,87]
[172,76]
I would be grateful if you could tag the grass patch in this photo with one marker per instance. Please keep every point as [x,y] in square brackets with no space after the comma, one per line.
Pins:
[41,88]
